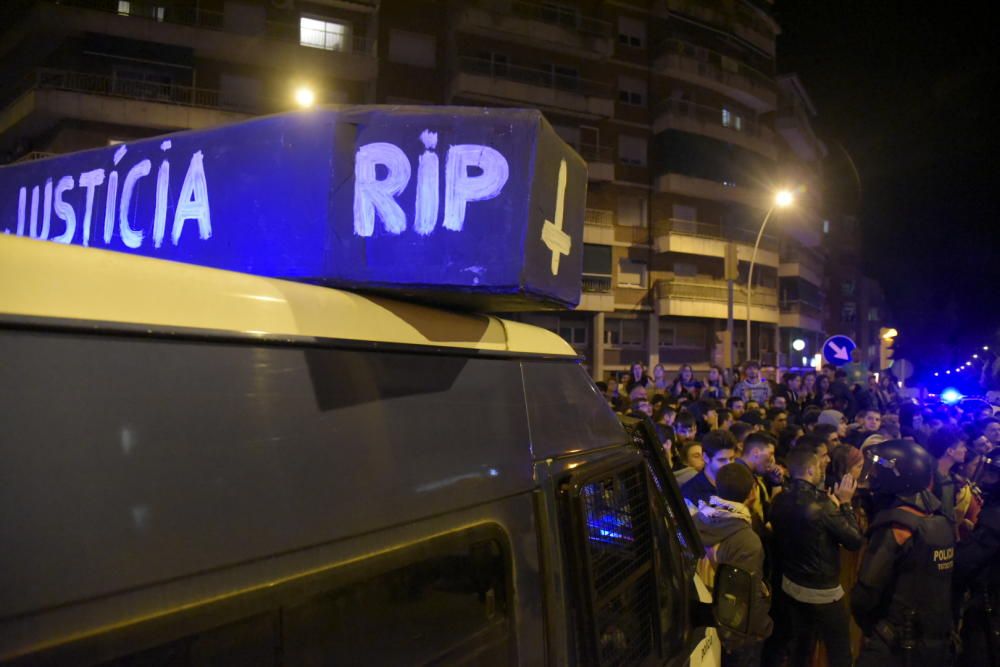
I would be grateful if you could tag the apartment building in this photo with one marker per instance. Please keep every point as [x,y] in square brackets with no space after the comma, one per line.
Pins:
[856,305]
[675,104]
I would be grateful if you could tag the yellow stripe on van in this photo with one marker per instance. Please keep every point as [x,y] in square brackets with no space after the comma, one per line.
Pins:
[50,280]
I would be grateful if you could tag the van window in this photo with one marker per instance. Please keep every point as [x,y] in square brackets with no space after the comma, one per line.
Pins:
[444,602]
[616,605]
[565,410]
[631,596]
[146,438]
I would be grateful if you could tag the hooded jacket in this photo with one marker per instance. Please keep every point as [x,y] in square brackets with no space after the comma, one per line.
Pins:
[725,530]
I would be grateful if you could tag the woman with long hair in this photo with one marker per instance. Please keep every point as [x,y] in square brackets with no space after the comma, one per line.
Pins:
[660,382]
[715,385]
[637,378]
[685,384]
[808,394]
[823,391]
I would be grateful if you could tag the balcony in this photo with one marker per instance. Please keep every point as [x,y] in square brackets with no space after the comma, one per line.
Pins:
[804,263]
[48,95]
[598,294]
[600,162]
[598,226]
[247,38]
[710,121]
[715,71]
[709,239]
[536,25]
[735,18]
[704,188]
[801,315]
[792,122]
[697,297]
[493,81]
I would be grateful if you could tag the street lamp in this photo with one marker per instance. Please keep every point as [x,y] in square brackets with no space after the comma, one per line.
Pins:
[305,97]
[782,199]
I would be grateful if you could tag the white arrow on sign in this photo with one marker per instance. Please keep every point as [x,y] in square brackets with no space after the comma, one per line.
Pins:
[553,236]
[839,352]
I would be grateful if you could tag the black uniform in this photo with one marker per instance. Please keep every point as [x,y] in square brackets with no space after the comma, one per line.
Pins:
[902,600]
[977,570]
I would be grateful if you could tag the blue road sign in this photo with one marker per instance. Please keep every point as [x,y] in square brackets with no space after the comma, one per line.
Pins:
[837,350]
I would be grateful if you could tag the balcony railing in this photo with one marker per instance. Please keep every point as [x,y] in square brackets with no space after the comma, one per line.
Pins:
[714,290]
[544,78]
[592,153]
[703,62]
[598,217]
[99,84]
[802,255]
[734,14]
[802,308]
[714,231]
[552,14]
[736,122]
[199,17]
[596,284]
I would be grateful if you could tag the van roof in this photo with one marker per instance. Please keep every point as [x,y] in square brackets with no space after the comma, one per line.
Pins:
[42,279]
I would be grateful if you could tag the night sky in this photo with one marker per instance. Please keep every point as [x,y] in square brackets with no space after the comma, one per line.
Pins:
[905,88]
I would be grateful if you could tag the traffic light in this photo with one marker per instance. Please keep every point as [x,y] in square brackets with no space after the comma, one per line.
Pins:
[886,337]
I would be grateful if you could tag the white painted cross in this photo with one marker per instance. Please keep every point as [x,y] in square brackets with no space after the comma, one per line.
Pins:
[553,236]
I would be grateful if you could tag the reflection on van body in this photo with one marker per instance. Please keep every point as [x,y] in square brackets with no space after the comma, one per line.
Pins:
[196,495]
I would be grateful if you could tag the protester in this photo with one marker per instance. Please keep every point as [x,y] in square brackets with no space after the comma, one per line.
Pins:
[685,384]
[691,461]
[719,449]
[724,525]
[660,384]
[758,457]
[809,527]
[753,387]
[715,385]
[947,446]
[977,575]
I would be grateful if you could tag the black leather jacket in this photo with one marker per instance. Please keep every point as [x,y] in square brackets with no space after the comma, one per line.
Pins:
[808,532]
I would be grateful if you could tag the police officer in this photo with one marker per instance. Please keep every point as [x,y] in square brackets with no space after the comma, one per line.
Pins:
[977,570]
[902,600]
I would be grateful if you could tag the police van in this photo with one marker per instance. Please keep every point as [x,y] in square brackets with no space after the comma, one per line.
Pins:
[206,466]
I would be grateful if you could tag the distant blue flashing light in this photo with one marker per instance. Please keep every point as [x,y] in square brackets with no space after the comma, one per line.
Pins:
[951,396]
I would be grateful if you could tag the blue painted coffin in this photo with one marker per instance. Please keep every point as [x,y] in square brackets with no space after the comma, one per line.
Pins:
[475,207]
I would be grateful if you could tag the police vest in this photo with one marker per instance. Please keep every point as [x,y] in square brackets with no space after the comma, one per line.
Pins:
[922,573]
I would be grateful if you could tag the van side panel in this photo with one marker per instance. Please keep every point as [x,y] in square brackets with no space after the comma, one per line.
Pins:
[129,460]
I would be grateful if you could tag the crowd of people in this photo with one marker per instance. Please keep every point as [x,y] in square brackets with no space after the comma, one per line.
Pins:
[869,523]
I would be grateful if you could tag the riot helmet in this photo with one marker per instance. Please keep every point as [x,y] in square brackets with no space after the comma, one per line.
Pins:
[897,468]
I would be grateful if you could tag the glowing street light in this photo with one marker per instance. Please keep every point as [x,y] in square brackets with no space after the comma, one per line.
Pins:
[782,199]
[890,334]
[305,97]
[986,348]
[975,356]
[798,345]
[936,374]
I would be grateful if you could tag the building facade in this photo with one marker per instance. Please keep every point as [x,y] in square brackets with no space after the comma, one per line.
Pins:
[856,303]
[675,104]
